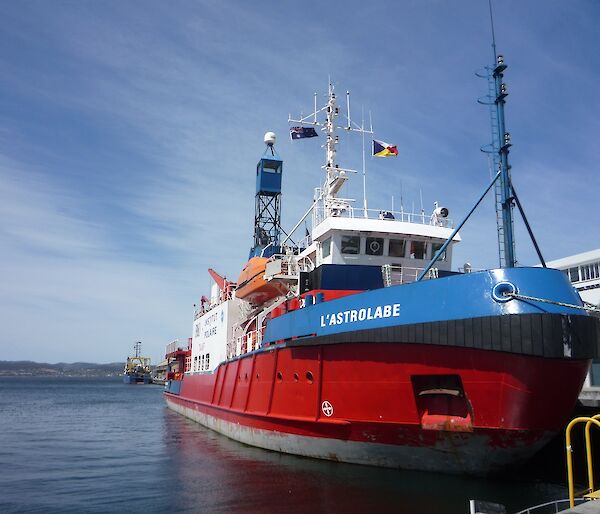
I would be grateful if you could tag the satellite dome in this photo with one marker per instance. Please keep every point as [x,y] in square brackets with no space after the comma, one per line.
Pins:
[270,138]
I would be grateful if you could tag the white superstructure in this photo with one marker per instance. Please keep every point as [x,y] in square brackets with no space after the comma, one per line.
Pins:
[344,234]
[212,331]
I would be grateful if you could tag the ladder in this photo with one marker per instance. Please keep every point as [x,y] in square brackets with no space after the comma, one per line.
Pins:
[493,151]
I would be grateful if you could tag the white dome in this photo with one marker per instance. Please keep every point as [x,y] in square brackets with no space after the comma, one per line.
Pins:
[270,138]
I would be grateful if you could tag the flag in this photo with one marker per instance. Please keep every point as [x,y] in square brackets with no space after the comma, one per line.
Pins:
[302,132]
[383,149]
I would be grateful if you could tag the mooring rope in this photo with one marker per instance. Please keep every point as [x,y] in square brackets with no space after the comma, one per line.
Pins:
[586,307]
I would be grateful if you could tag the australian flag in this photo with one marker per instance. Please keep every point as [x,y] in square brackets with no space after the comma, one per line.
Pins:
[302,132]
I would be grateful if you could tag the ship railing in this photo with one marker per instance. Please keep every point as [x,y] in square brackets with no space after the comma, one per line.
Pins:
[248,342]
[345,210]
[552,506]
[292,265]
[395,275]
[200,311]
[174,347]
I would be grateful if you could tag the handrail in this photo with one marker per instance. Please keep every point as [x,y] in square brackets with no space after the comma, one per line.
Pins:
[588,445]
[395,275]
[349,211]
[588,423]
[555,503]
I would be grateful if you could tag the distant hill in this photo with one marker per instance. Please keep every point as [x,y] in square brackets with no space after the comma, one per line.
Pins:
[75,369]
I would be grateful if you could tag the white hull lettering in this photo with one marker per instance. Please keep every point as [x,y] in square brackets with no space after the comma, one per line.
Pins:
[365,314]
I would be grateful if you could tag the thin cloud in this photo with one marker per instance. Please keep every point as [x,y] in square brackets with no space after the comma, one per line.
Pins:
[130,134]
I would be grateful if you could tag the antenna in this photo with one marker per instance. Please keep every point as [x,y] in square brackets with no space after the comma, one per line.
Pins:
[335,176]
[493,33]
[348,109]
[402,200]
[366,214]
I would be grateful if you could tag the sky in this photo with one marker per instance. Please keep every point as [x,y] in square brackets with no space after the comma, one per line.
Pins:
[130,132]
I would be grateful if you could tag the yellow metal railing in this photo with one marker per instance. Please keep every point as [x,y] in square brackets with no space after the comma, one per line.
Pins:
[594,420]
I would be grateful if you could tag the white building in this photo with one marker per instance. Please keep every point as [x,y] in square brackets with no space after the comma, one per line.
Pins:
[583,270]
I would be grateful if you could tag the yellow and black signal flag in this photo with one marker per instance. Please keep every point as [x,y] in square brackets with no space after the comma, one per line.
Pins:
[383,149]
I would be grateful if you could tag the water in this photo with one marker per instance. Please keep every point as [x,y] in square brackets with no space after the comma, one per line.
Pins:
[96,445]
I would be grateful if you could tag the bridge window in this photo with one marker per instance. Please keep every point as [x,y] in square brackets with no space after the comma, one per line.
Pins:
[417,249]
[435,247]
[374,246]
[350,244]
[397,248]
[326,248]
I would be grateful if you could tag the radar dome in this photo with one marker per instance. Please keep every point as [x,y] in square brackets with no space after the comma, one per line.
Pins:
[270,138]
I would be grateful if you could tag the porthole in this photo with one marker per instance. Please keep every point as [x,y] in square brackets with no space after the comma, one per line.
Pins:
[246,377]
[296,377]
[279,376]
[309,377]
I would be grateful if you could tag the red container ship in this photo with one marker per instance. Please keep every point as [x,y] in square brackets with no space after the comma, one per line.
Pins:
[359,344]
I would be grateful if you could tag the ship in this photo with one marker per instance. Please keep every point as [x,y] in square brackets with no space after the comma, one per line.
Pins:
[137,368]
[358,343]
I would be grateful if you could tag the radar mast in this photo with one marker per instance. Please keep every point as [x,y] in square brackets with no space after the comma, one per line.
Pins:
[335,176]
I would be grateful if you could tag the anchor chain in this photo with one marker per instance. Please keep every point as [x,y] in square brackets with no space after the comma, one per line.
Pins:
[585,307]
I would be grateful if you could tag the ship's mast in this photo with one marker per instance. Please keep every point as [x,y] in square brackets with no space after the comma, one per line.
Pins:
[335,176]
[498,152]
[498,149]
[506,197]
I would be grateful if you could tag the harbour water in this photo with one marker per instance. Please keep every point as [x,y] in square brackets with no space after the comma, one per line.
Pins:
[96,445]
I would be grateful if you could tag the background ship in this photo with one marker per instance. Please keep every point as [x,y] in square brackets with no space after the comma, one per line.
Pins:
[137,368]
[357,343]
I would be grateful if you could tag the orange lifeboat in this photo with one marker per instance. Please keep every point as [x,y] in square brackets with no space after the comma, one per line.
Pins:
[252,285]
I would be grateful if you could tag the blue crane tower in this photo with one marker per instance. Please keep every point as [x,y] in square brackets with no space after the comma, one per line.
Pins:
[267,212]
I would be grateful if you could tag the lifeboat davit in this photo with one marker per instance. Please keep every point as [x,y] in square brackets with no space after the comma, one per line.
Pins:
[252,285]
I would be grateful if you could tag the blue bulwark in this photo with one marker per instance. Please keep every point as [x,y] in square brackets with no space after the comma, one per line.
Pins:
[449,298]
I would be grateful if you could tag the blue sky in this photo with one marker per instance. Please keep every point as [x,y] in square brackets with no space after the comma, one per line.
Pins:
[130,131]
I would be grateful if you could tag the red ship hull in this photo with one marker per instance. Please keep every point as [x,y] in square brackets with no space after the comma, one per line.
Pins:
[434,408]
